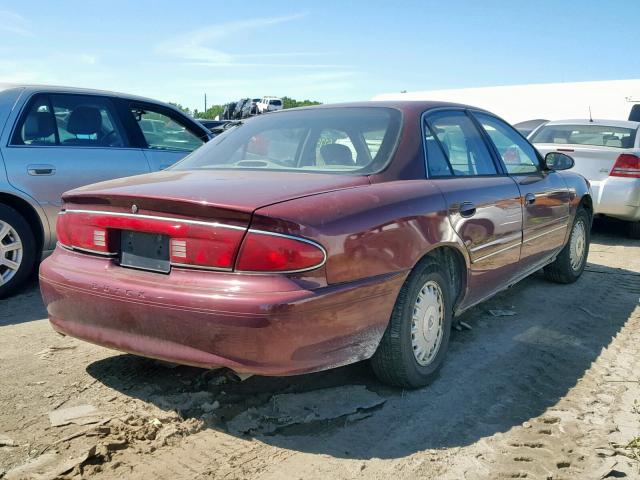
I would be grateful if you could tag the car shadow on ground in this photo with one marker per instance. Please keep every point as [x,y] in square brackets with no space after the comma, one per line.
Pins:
[501,373]
[25,306]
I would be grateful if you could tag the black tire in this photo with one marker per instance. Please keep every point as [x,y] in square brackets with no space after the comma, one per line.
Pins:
[29,251]
[394,361]
[633,229]
[561,270]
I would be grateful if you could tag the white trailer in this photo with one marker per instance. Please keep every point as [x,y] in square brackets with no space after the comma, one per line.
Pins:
[610,99]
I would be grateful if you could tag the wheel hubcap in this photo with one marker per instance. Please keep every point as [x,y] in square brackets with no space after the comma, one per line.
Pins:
[578,244]
[10,252]
[427,323]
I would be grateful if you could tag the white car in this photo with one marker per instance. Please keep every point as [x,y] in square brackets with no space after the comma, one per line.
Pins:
[607,153]
[269,104]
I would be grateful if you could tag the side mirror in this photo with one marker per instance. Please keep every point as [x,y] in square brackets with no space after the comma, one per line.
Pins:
[558,161]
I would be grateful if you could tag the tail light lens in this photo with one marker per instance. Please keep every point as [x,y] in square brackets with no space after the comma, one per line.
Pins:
[193,243]
[76,234]
[197,244]
[269,252]
[626,165]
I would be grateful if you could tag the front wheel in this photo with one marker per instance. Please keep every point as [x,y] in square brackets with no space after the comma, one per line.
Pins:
[570,263]
[415,342]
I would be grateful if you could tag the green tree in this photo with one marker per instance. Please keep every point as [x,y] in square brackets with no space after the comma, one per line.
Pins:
[288,102]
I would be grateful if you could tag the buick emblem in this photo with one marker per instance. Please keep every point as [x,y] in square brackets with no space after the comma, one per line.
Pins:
[134,208]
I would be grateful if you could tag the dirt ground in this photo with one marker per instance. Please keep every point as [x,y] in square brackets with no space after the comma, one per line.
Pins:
[551,392]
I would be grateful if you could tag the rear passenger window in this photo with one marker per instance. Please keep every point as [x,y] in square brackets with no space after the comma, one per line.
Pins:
[437,163]
[163,132]
[70,121]
[517,154]
[461,144]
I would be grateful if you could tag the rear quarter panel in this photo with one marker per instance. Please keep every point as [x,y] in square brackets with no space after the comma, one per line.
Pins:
[369,230]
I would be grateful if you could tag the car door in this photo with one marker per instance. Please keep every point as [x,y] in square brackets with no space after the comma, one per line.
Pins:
[545,196]
[164,135]
[483,204]
[62,141]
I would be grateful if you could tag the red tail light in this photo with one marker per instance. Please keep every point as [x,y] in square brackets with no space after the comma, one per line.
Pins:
[270,252]
[192,243]
[626,165]
[73,233]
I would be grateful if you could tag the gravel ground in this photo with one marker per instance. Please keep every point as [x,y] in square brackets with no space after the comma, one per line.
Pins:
[551,392]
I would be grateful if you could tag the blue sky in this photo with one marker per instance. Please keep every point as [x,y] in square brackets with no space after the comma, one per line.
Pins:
[324,50]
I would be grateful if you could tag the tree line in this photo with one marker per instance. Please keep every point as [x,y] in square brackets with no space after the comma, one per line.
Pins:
[214,110]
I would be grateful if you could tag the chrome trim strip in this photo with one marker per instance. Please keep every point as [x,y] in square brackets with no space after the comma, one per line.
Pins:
[87,250]
[546,233]
[496,252]
[199,267]
[155,217]
[514,236]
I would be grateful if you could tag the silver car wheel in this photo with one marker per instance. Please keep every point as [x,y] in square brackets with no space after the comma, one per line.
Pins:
[427,323]
[578,244]
[11,252]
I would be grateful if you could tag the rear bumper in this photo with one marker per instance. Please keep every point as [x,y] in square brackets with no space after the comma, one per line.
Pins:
[617,197]
[261,324]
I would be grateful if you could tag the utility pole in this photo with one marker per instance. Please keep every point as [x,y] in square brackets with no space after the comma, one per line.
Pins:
[205,102]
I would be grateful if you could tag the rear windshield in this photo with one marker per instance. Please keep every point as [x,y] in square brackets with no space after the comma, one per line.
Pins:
[599,135]
[349,140]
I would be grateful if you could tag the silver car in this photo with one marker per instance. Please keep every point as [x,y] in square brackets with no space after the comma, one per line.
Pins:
[607,153]
[53,139]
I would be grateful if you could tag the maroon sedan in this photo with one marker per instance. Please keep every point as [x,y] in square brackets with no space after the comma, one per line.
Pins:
[311,238]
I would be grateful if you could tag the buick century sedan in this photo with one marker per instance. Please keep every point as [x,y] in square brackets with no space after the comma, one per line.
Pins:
[311,238]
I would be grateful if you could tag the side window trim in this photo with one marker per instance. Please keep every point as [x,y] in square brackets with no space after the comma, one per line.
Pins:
[424,118]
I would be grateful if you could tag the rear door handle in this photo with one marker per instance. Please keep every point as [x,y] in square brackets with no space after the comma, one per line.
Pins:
[41,170]
[467,209]
[529,199]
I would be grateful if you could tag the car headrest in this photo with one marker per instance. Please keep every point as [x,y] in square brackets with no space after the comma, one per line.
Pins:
[613,142]
[336,154]
[39,125]
[627,142]
[84,120]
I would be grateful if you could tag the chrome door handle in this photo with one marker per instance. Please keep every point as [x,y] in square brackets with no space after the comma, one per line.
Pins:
[467,209]
[529,199]
[41,170]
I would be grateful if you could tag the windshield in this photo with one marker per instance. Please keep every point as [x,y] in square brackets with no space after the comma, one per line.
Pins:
[598,135]
[329,140]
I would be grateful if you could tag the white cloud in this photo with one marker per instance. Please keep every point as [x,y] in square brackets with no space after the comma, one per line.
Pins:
[14,23]
[200,46]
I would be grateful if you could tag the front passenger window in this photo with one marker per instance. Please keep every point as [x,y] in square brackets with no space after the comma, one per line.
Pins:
[518,156]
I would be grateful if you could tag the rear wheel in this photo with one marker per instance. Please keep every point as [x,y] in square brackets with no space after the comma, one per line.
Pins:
[634,229]
[570,263]
[415,343]
[17,250]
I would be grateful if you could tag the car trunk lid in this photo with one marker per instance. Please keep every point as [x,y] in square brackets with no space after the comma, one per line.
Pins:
[180,218]
[592,162]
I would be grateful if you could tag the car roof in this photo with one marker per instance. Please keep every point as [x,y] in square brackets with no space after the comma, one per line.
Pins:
[404,105]
[86,91]
[596,121]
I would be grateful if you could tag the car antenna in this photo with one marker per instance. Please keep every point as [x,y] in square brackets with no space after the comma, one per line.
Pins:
[590,117]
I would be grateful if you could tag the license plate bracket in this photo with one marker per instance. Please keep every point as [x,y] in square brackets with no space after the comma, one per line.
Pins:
[144,251]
